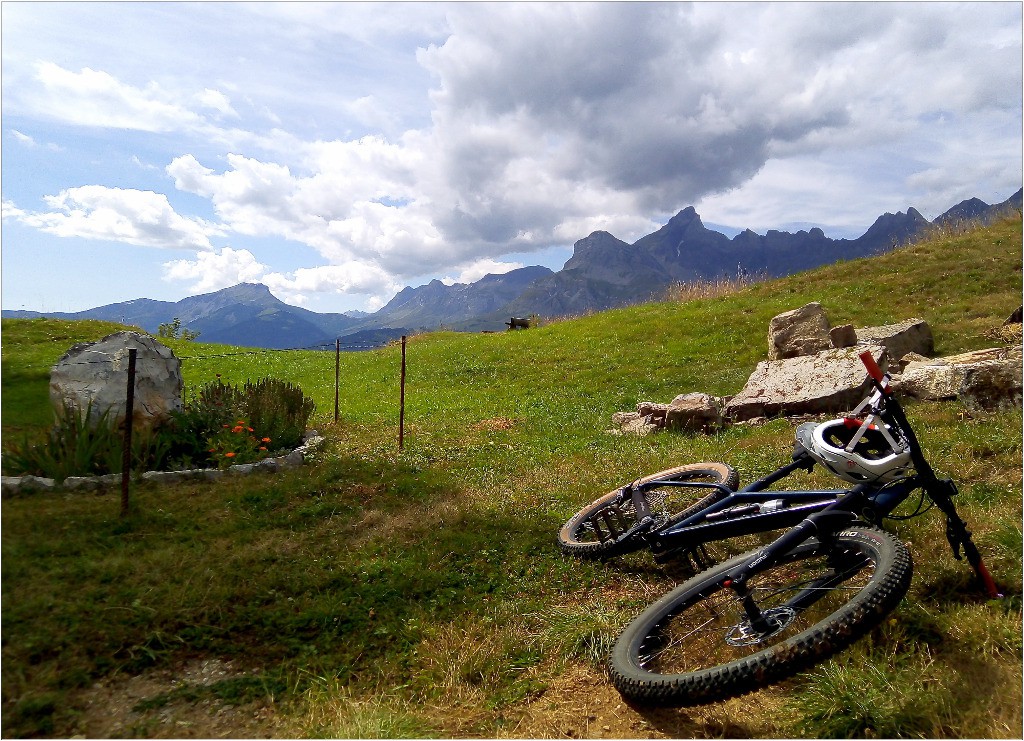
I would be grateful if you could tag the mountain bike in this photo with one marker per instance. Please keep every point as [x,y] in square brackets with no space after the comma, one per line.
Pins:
[765,615]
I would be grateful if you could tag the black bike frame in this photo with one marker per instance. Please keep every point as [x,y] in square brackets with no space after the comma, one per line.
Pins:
[716,522]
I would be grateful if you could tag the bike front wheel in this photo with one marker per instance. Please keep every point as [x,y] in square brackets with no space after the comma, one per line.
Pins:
[697,644]
[604,528]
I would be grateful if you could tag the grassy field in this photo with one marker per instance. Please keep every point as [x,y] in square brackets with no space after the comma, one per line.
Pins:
[420,593]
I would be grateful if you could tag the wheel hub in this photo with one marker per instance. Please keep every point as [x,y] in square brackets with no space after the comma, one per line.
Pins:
[744,634]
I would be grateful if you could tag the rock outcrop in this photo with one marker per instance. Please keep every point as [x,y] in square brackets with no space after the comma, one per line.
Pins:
[910,336]
[986,380]
[828,381]
[816,369]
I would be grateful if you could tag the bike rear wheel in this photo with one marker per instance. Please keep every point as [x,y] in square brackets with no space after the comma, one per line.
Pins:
[697,644]
[602,529]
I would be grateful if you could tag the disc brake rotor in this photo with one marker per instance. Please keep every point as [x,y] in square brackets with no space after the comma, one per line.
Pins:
[744,633]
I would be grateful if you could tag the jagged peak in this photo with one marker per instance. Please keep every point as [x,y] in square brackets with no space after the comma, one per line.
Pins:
[685,217]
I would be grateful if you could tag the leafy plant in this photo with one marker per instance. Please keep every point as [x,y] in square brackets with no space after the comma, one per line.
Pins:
[278,409]
[204,431]
[78,446]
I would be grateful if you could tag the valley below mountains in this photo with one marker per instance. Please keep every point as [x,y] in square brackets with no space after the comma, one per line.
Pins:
[604,272]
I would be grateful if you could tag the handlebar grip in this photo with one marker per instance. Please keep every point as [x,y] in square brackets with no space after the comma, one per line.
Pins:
[874,371]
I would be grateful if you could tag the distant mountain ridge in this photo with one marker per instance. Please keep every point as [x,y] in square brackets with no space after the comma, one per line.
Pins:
[603,272]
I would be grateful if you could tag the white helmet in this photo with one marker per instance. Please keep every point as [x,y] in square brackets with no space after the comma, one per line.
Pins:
[857,451]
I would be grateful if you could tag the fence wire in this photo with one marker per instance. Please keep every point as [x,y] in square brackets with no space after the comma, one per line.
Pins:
[322,347]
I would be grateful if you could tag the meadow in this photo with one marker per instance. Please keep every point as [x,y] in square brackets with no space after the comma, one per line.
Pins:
[421,593]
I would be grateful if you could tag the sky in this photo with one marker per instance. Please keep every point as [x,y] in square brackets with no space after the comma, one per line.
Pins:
[339,152]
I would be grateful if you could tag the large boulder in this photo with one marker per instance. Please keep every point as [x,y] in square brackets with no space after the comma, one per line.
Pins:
[829,381]
[910,336]
[94,376]
[984,379]
[802,331]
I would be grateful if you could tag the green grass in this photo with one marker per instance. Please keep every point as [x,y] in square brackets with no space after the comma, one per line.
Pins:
[384,594]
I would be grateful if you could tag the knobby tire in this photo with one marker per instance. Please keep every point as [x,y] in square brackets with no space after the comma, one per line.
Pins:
[695,645]
[578,537]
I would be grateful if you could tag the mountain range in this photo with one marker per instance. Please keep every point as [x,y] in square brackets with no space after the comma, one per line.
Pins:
[603,272]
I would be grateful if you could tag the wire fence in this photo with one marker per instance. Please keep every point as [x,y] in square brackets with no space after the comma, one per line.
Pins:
[337,346]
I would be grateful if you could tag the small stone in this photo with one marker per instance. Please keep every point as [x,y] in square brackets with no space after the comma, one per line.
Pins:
[844,335]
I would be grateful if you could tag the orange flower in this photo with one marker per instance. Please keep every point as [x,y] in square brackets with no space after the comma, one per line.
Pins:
[229,455]
[237,429]
[265,440]
[249,429]
[263,448]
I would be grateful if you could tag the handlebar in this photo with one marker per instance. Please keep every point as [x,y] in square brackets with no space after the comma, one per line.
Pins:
[875,372]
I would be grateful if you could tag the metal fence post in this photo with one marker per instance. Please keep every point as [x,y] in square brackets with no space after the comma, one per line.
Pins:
[401,414]
[337,371]
[126,454]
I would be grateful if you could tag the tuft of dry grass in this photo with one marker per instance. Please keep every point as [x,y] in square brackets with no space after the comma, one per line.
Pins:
[704,289]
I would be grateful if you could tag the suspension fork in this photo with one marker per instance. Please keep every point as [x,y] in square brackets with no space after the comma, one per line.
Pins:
[941,492]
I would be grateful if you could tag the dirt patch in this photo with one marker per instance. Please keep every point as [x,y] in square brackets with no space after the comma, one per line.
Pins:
[136,707]
[579,703]
[582,703]
[497,423]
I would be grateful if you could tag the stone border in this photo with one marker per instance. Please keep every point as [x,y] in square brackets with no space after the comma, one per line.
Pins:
[12,485]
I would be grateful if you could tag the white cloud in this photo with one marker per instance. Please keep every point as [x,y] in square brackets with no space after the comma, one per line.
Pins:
[95,98]
[132,216]
[354,277]
[28,141]
[10,211]
[216,270]
[218,101]
[480,268]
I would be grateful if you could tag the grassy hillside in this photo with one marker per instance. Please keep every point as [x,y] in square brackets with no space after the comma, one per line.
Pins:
[421,593]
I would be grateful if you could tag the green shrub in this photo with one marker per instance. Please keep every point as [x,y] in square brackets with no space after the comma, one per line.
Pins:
[278,410]
[202,432]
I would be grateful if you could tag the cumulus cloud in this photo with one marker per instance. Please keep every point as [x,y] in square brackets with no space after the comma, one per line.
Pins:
[136,217]
[480,268]
[552,120]
[353,277]
[217,269]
